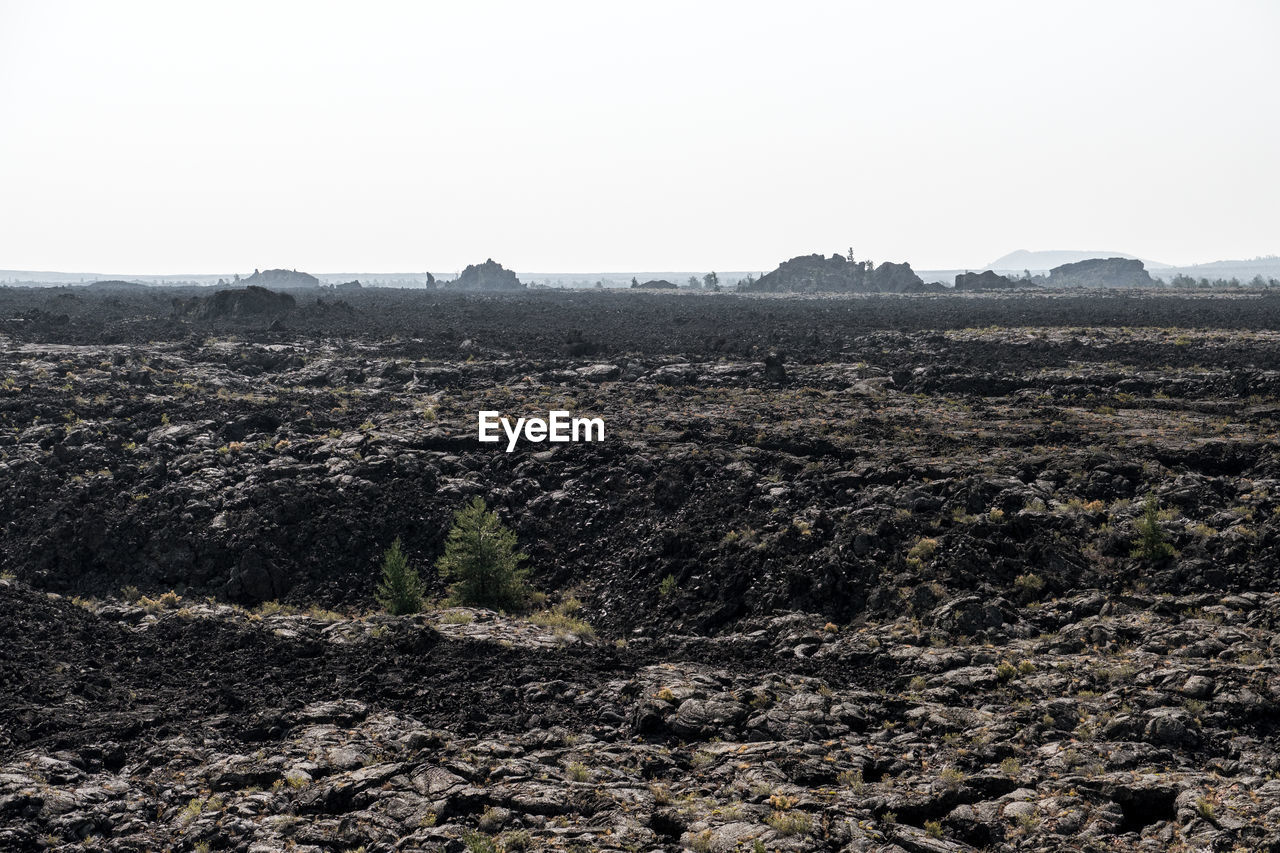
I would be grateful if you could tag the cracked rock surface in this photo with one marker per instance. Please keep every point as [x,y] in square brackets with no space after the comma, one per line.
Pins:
[860,574]
[206,724]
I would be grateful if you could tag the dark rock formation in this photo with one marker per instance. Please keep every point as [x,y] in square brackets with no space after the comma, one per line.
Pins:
[774,369]
[115,284]
[838,274]
[281,279]
[238,303]
[656,284]
[1101,272]
[487,276]
[988,280]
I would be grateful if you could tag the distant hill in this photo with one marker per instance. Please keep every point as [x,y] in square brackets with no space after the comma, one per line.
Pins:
[1048,259]
[1242,270]
[115,284]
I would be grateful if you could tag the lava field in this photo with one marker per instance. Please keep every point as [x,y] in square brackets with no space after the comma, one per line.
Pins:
[846,574]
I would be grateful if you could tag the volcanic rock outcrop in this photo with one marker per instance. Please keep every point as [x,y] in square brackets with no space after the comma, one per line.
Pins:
[656,284]
[839,274]
[240,303]
[1101,272]
[281,279]
[490,275]
[987,280]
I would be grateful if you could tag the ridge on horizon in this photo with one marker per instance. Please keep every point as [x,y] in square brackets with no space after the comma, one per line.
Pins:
[1050,258]
[1037,260]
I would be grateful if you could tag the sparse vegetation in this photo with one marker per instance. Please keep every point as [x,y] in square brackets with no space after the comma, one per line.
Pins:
[482,561]
[951,778]
[563,618]
[1205,808]
[851,779]
[400,590]
[1029,586]
[788,823]
[1151,546]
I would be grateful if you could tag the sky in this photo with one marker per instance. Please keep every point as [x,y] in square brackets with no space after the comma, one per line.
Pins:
[167,137]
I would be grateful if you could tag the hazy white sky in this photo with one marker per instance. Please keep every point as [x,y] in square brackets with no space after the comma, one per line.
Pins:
[181,137]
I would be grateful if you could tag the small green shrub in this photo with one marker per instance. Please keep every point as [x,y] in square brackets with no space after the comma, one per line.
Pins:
[482,561]
[951,778]
[515,841]
[167,601]
[400,591]
[852,779]
[668,587]
[1205,808]
[563,621]
[790,823]
[1151,547]
[1029,586]
[921,552]
[478,842]
[192,809]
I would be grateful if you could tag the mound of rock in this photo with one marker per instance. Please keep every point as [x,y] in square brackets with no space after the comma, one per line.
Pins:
[490,275]
[236,303]
[115,285]
[281,279]
[656,284]
[1101,272]
[987,280]
[839,274]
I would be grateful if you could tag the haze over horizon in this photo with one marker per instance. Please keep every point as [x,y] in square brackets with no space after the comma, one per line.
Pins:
[153,138]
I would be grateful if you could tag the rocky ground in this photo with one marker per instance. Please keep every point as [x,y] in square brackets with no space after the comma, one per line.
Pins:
[886,598]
